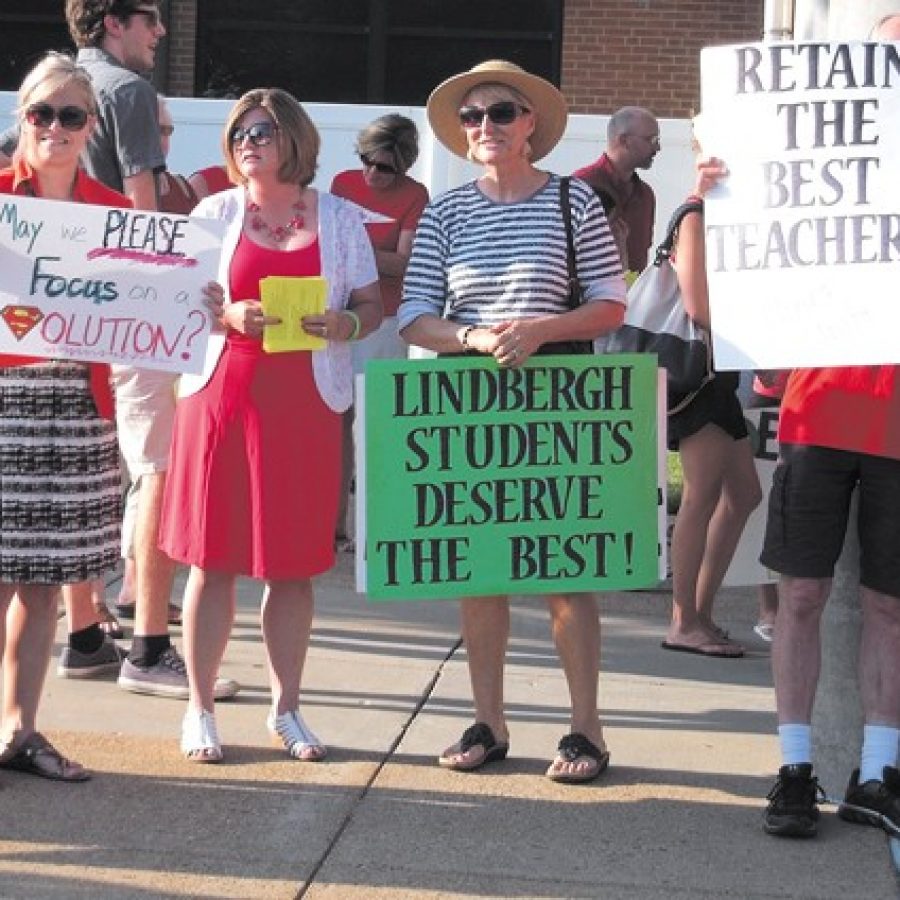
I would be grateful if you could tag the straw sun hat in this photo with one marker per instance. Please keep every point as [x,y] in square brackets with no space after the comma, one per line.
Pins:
[544,100]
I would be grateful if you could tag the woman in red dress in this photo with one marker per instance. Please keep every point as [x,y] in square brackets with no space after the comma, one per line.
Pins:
[254,473]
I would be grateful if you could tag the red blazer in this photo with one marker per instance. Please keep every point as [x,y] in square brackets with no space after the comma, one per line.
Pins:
[21,179]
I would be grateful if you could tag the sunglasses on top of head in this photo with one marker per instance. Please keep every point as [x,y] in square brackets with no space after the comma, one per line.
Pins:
[384,168]
[43,115]
[503,113]
[260,134]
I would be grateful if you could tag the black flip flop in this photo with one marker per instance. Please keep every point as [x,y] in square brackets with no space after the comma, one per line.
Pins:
[706,649]
[37,756]
[475,735]
[572,747]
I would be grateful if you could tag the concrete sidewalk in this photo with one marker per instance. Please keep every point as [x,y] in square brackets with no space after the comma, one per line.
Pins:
[677,815]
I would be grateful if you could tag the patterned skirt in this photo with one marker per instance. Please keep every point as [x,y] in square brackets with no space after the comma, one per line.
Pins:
[60,486]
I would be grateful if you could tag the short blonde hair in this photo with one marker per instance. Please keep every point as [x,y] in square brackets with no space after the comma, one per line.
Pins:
[54,71]
[296,137]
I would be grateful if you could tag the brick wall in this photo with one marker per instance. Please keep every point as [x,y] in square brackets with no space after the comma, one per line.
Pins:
[182,39]
[615,52]
[647,52]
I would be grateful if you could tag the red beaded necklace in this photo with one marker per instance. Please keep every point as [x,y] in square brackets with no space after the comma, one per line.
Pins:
[278,233]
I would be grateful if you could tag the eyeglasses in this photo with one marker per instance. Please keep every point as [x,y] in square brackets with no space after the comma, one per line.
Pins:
[259,133]
[167,130]
[503,113]
[43,115]
[384,168]
[151,16]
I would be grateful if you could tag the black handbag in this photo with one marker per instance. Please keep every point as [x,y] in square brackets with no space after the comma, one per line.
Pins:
[576,291]
[657,322]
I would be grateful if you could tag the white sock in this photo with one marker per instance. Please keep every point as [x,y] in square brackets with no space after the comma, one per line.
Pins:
[796,744]
[879,749]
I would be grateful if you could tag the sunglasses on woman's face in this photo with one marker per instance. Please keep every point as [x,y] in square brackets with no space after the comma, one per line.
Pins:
[260,134]
[384,168]
[43,115]
[503,113]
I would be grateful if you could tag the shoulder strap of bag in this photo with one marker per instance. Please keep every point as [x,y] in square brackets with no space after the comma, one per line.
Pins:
[574,292]
[664,250]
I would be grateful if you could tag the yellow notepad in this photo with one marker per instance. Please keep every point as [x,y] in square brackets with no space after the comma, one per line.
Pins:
[290,298]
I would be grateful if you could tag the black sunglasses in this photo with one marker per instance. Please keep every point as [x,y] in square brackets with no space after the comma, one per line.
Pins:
[502,113]
[43,115]
[259,133]
[152,16]
[384,168]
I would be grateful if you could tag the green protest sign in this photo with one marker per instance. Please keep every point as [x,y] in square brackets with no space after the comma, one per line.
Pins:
[537,480]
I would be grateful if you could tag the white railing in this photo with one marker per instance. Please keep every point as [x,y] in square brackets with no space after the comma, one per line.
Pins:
[198,130]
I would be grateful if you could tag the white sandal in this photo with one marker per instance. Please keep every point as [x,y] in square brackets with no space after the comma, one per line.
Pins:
[199,737]
[290,731]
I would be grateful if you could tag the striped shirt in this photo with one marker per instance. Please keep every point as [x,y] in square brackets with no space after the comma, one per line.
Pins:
[479,262]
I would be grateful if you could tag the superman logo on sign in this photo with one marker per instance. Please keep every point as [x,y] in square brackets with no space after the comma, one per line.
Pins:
[21,319]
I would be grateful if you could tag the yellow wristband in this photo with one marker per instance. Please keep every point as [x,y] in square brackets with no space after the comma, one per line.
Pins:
[357,325]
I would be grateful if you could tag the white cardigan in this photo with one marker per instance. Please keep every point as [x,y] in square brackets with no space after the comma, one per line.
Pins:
[348,263]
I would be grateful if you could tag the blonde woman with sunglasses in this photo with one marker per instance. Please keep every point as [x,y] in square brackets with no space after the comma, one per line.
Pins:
[59,460]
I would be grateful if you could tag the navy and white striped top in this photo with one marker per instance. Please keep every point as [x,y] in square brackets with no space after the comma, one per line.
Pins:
[479,262]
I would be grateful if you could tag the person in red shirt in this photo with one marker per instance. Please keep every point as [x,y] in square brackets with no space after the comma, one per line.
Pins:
[387,148]
[59,459]
[632,143]
[839,433]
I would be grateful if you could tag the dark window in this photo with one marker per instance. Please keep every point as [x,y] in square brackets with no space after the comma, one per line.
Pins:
[368,51]
[28,29]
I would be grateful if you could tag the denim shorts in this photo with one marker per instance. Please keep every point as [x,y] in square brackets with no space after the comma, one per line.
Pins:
[809,507]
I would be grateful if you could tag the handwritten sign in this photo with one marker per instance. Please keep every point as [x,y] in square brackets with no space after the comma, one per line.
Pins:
[803,237]
[105,285]
[539,480]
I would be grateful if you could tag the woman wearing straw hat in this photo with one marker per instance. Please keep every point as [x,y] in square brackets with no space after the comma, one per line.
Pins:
[488,275]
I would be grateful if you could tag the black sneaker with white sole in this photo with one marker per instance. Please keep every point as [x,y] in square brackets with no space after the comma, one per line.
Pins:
[105,661]
[874,802]
[793,803]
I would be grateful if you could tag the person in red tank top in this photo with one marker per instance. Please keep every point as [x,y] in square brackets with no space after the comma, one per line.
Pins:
[387,148]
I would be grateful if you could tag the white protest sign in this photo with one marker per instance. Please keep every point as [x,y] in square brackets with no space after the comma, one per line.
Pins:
[105,285]
[803,237]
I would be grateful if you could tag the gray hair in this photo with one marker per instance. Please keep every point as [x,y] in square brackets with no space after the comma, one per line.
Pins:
[623,120]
